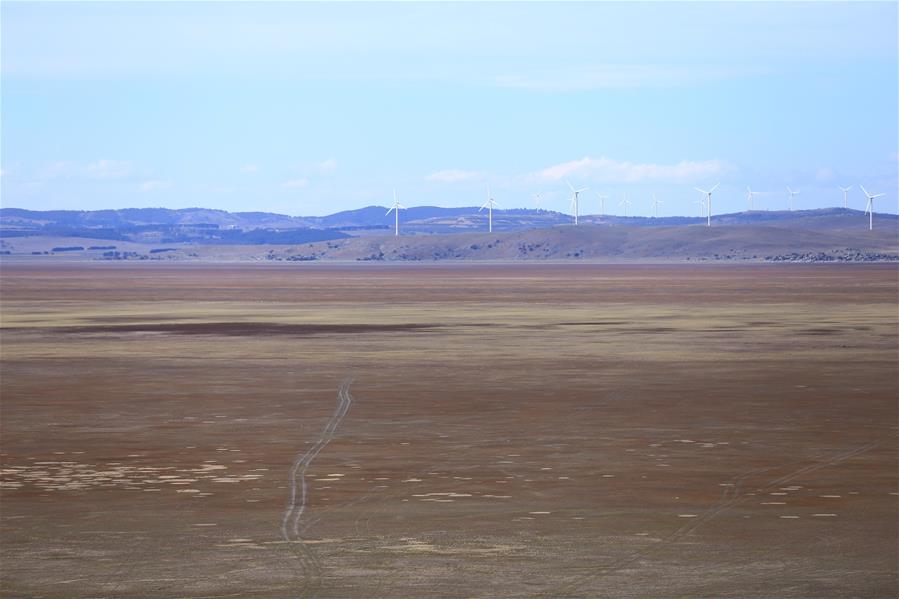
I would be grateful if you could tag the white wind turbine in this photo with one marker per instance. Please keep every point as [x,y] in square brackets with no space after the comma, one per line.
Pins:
[536,197]
[792,193]
[602,203]
[625,202]
[655,205]
[574,199]
[845,191]
[701,202]
[870,207]
[396,210]
[708,202]
[749,195]
[489,204]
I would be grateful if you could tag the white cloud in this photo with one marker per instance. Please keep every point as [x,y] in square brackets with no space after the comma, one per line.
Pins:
[295,183]
[824,174]
[155,185]
[58,170]
[607,170]
[325,167]
[452,176]
[613,76]
[109,169]
[251,169]
[316,169]
[103,169]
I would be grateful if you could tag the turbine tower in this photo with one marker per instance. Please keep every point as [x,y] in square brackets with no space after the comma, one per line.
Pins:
[792,193]
[625,202]
[536,197]
[701,202]
[602,203]
[655,205]
[574,197]
[396,210]
[845,191]
[708,202]
[870,207]
[749,196]
[489,204]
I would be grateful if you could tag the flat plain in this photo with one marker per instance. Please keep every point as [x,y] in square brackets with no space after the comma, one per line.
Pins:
[488,430]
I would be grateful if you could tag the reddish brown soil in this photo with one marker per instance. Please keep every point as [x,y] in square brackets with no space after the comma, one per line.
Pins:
[549,431]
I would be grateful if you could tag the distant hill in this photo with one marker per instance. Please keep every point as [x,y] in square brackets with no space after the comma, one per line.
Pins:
[627,243]
[10,217]
[125,223]
[432,233]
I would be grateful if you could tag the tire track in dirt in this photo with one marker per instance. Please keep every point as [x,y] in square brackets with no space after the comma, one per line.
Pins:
[298,496]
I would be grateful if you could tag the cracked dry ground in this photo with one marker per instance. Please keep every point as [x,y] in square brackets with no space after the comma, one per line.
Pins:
[516,430]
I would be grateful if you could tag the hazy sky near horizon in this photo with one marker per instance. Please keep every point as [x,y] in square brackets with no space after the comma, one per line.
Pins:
[311,108]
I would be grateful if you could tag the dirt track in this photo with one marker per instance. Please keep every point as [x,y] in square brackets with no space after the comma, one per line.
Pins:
[551,431]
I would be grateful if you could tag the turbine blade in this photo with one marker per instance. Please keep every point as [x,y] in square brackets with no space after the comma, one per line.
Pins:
[865,191]
[570,186]
[878,195]
[700,190]
[714,188]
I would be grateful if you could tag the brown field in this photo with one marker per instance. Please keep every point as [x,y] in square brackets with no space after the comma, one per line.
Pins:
[513,431]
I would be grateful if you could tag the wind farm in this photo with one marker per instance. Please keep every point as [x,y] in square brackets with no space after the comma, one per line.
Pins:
[869,207]
[489,205]
[395,208]
[707,196]
[319,300]
[575,194]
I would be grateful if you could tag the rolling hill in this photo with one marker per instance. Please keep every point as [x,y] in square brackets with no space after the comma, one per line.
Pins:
[418,219]
[596,242]
[433,233]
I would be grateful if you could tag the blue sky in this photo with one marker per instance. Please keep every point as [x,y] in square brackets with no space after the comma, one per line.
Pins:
[311,108]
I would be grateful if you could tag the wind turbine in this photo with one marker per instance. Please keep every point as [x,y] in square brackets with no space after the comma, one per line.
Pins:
[792,193]
[701,202]
[536,197]
[870,207]
[749,195]
[655,206]
[708,203]
[845,191]
[602,203]
[489,204]
[575,193]
[625,202]
[396,210]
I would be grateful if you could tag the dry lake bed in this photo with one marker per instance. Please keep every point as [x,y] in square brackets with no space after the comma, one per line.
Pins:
[448,431]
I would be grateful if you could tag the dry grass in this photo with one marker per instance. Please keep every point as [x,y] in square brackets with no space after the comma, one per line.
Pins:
[552,431]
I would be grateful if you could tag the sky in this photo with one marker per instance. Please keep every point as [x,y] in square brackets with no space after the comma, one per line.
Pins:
[313,108]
